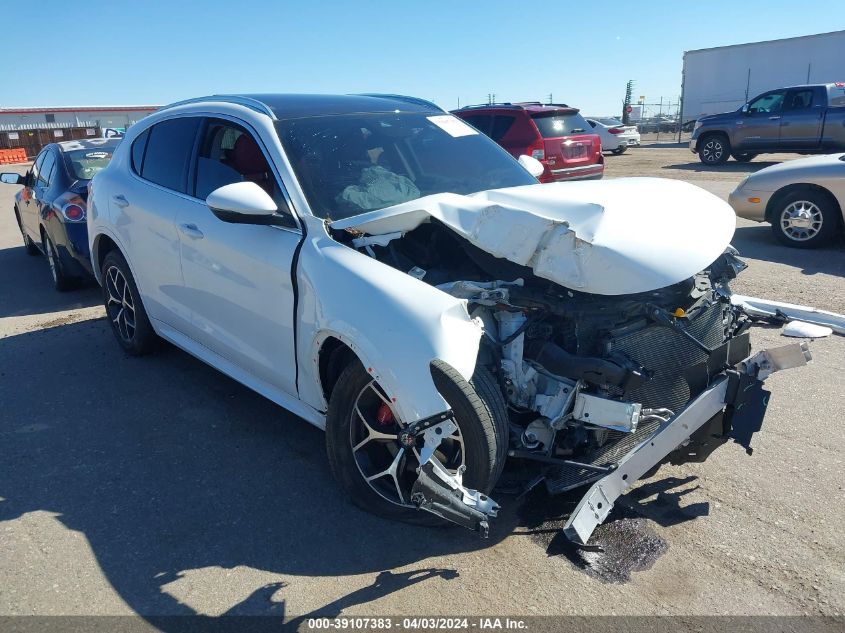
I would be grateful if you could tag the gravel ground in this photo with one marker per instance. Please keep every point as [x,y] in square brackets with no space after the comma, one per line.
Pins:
[158,486]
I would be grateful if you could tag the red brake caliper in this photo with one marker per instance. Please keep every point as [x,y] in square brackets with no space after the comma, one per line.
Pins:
[384,415]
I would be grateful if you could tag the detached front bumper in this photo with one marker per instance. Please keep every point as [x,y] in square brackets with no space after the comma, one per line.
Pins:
[735,399]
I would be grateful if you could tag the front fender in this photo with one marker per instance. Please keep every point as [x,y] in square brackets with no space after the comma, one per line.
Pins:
[395,324]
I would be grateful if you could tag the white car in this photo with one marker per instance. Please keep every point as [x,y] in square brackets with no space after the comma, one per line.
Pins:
[382,270]
[615,136]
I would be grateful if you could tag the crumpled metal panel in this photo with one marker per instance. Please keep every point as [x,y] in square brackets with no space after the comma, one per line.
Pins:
[610,237]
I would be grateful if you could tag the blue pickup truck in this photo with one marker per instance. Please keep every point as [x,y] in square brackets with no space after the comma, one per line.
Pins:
[803,119]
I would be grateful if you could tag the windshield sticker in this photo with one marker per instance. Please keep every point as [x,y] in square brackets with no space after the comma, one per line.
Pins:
[452,125]
[97,155]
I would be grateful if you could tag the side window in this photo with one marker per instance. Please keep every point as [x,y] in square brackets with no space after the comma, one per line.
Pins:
[46,169]
[799,99]
[168,151]
[139,146]
[481,122]
[501,125]
[229,153]
[836,96]
[767,103]
[36,167]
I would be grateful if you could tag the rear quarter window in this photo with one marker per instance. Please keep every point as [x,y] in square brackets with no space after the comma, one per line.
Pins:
[481,122]
[555,125]
[836,97]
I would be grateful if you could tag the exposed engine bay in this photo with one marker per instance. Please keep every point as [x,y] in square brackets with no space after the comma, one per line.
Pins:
[588,378]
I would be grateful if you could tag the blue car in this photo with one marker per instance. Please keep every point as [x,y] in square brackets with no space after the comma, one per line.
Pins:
[51,207]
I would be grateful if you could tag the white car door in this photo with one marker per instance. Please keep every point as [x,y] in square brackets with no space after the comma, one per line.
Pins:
[143,209]
[237,277]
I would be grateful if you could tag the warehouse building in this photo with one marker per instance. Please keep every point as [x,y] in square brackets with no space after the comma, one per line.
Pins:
[30,129]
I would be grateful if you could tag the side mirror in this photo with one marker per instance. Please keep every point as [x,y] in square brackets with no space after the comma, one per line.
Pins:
[11,178]
[243,203]
[532,165]
[744,109]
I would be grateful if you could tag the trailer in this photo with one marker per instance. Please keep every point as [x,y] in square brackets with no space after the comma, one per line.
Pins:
[722,79]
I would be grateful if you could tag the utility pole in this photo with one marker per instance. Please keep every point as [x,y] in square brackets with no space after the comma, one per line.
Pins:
[629,88]
[550,99]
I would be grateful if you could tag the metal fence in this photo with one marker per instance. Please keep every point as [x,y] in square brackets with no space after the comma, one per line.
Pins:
[33,137]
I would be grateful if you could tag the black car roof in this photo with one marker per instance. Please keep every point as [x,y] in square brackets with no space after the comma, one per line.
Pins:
[294,106]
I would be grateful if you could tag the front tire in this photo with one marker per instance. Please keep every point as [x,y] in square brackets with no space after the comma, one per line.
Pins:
[714,149]
[805,218]
[124,308]
[362,441]
[744,157]
[28,244]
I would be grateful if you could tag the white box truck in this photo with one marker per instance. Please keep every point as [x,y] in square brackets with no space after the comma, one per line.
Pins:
[724,78]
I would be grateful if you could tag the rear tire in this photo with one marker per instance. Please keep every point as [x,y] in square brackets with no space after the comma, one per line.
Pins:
[619,150]
[124,308]
[744,157]
[61,281]
[805,218]
[713,149]
[484,445]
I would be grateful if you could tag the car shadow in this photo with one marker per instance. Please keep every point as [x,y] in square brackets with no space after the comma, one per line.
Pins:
[730,167]
[26,287]
[758,242]
[167,467]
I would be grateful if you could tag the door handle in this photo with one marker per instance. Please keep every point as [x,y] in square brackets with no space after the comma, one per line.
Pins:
[120,201]
[773,118]
[192,231]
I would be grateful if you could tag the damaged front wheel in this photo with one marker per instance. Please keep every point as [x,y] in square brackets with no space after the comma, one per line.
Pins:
[371,457]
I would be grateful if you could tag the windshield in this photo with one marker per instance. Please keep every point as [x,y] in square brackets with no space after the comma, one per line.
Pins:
[555,125]
[84,163]
[352,163]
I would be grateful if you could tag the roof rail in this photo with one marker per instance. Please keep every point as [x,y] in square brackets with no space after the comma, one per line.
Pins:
[247,102]
[518,104]
[557,105]
[405,98]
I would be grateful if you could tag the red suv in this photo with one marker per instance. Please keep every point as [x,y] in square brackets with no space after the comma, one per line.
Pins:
[554,134]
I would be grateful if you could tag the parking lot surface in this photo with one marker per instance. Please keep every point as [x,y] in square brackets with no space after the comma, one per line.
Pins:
[159,486]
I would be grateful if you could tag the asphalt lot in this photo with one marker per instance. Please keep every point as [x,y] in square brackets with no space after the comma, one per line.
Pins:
[159,486]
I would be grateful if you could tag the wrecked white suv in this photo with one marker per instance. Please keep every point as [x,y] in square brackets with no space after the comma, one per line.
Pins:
[381,269]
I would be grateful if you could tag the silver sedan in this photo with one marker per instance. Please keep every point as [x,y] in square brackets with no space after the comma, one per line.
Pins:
[802,199]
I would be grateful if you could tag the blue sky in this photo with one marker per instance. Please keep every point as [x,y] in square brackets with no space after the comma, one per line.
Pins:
[155,52]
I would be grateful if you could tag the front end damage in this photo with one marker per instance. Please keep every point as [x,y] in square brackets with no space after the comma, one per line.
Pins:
[612,356]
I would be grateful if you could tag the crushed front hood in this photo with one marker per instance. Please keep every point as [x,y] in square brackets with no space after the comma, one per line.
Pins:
[608,237]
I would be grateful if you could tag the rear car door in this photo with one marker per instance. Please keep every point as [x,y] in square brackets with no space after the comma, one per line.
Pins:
[759,128]
[28,207]
[41,191]
[237,277]
[144,207]
[801,118]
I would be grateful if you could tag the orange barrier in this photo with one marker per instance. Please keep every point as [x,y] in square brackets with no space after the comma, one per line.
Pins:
[11,156]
